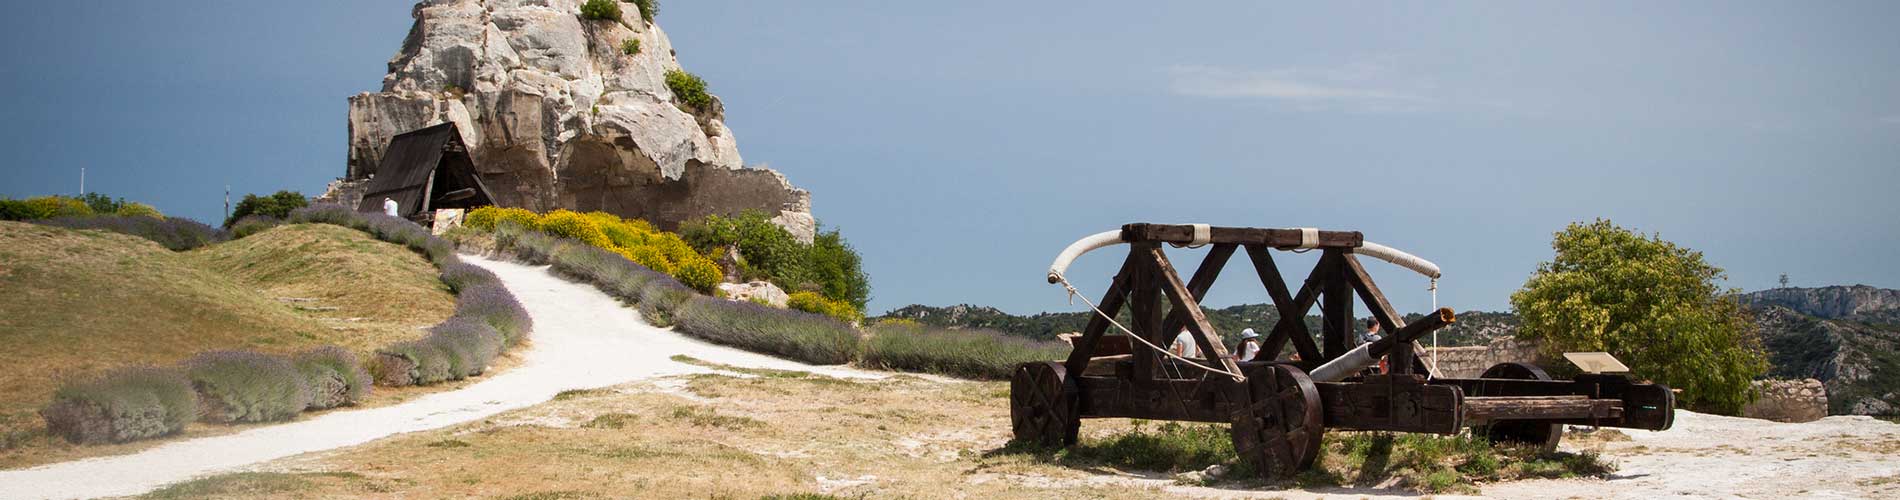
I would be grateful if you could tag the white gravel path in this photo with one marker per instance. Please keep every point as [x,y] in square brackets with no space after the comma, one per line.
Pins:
[582,339]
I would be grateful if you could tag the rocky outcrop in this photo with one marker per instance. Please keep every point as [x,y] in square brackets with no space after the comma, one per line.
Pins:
[757,291]
[556,115]
[1802,400]
[1833,302]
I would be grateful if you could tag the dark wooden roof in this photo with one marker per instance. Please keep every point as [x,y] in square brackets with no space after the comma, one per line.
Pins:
[404,173]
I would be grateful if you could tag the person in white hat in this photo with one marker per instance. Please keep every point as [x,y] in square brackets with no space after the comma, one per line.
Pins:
[1249,344]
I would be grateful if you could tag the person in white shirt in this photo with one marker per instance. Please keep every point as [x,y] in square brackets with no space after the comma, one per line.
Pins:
[1184,345]
[390,206]
[1249,344]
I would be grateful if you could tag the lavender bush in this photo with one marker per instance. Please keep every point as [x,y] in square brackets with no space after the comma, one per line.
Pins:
[252,224]
[427,363]
[982,354]
[612,273]
[328,213]
[460,276]
[175,233]
[123,405]
[334,377]
[807,337]
[245,386]
[472,345]
[661,299]
[493,305]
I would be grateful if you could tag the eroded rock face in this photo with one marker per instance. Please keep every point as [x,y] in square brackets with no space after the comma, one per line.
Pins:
[557,116]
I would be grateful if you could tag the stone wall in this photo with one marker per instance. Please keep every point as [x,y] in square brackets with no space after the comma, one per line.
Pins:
[1471,361]
[1802,400]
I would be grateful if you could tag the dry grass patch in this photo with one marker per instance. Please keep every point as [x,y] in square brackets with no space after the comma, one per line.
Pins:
[83,302]
[791,437]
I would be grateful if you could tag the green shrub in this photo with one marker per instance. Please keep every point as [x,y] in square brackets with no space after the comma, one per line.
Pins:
[43,207]
[123,405]
[769,252]
[572,225]
[630,46]
[802,336]
[648,8]
[983,354]
[812,302]
[136,209]
[489,217]
[276,205]
[699,274]
[689,90]
[601,10]
[244,386]
[334,377]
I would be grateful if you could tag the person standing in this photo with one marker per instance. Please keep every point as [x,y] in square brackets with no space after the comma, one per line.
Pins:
[390,207]
[1249,344]
[1372,335]
[1184,345]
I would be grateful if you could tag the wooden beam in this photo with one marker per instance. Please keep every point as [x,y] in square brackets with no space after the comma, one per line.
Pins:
[1336,325]
[1144,299]
[1184,302]
[1484,410]
[1276,238]
[1292,324]
[1401,361]
[1111,304]
[1203,279]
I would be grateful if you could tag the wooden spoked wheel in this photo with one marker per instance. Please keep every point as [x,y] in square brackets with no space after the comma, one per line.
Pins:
[1543,436]
[1038,410]
[1278,426]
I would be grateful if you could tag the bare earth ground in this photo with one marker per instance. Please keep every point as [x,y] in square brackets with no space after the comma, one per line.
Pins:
[676,427]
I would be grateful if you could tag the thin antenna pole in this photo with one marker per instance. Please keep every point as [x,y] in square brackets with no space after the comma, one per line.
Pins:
[227,201]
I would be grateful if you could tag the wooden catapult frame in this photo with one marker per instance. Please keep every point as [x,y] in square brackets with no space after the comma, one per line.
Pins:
[1277,412]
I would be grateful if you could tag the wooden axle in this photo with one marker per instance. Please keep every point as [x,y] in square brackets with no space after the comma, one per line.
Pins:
[1183,234]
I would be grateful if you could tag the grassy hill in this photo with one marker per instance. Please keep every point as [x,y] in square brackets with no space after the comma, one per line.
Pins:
[77,302]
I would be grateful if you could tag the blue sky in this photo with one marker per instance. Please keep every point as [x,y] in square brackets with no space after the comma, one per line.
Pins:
[961,145]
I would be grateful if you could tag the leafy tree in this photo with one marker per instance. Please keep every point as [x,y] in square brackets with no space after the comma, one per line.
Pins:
[102,204]
[1650,302]
[1784,280]
[277,205]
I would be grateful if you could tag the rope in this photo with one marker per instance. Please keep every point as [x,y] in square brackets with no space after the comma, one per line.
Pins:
[1434,332]
[1073,293]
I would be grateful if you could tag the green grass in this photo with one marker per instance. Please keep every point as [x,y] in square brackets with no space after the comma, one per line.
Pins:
[707,417]
[1420,462]
[973,353]
[612,421]
[760,372]
[247,484]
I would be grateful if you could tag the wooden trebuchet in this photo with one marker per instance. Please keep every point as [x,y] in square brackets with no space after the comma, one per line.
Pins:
[1279,407]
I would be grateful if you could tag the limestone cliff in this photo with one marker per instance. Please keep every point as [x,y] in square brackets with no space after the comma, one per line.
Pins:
[557,115]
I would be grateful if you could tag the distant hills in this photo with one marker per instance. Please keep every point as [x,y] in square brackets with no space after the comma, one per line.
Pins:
[1846,336]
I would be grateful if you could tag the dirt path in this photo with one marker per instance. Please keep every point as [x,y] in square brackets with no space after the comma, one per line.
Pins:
[1710,456]
[583,339]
